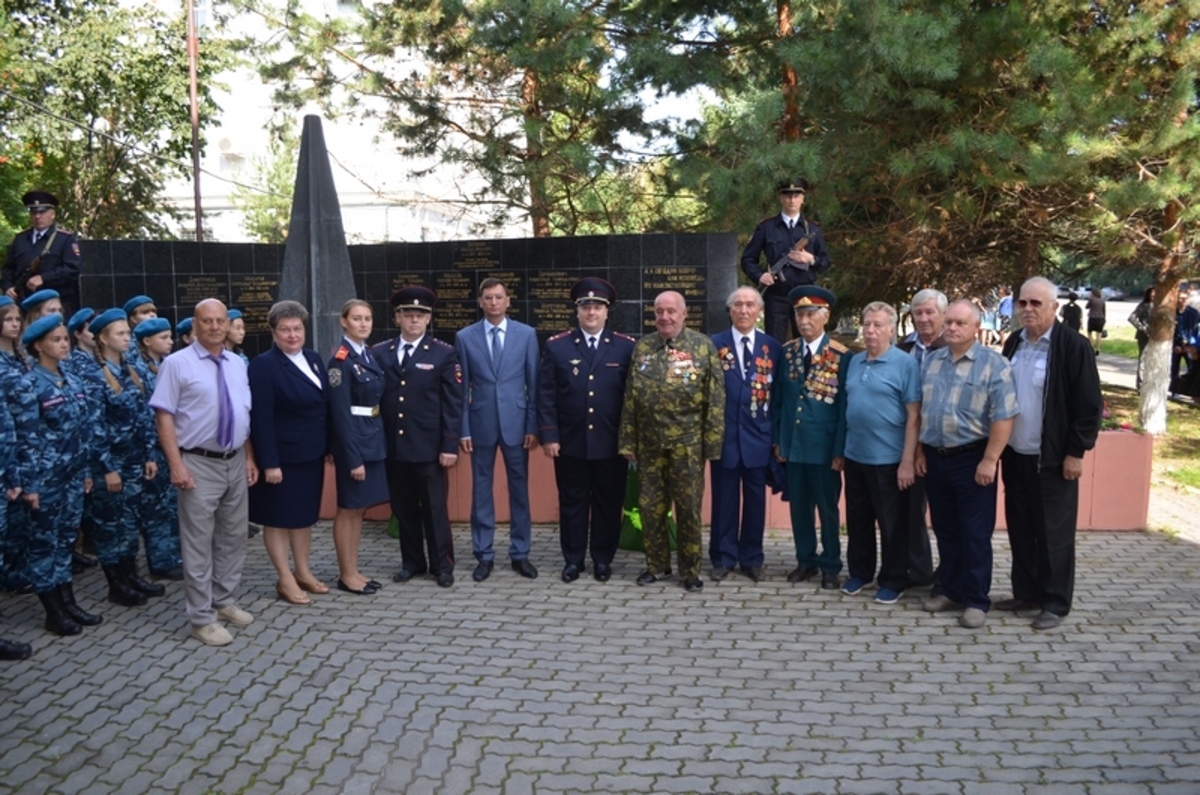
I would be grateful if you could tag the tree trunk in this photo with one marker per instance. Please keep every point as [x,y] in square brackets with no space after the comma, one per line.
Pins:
[539,209]
[1152,409]
[790,126]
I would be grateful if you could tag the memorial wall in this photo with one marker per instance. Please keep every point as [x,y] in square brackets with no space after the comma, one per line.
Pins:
[539,273]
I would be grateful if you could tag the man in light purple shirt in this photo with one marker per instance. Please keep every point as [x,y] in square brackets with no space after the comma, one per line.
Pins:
[202,410]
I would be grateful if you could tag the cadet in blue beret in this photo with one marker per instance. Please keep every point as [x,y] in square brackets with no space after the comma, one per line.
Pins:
[43,256]
[123,458]
[183,330]
[41,304]
[808,431]
[581,387]
[137,309]
[9,482]
[81,360]
[236,335]
[53,418]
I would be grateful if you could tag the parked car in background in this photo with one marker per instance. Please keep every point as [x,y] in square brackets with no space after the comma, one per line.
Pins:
[1112,293]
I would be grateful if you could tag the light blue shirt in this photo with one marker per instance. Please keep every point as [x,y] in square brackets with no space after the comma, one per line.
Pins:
[960,399]
[187,390]
[1029,374]
[878,392]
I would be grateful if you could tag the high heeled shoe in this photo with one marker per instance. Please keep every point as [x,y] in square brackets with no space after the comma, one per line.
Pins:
[316,586]
[295,599]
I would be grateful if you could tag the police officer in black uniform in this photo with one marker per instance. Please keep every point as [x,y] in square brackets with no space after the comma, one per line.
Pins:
[581,387]
[43,257]
[422,410]
[794,253]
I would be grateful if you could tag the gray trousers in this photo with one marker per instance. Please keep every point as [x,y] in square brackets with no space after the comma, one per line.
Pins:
[213,518]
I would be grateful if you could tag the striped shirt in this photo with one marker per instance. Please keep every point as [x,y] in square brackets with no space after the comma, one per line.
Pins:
[961,399]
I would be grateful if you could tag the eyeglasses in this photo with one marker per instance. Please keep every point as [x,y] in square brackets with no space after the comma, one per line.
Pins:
[1024,302]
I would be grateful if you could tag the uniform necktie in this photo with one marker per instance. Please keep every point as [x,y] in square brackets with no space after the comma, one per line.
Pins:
[807,358]
[36,237]
[592,343]
[747,358]
[497,346]
[224,407]
[406,353]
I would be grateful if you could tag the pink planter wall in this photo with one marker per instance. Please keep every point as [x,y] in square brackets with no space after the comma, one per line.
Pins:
[1114,492]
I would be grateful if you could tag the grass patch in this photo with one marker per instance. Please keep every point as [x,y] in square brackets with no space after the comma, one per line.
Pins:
[1118,347]
[1188,476]
[1179,447]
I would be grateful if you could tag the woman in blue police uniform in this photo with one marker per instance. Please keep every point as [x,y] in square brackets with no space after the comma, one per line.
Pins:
[356,441]
[54,426]
[122,459]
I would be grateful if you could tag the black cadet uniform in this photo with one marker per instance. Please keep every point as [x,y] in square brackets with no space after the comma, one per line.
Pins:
[422,416]
[580,394]
[58,249]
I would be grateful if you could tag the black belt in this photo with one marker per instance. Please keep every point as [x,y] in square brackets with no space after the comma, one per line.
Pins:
[200,451]
[946,452]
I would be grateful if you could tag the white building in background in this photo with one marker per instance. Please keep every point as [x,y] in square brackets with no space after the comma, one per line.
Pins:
[379,199]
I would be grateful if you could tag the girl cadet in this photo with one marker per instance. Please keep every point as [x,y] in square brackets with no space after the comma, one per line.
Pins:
[13,366]
[137,309]
[53,419]
[81,361]
[236,335]
[122,458]
[356,440]
[183,330]
[41,304]
[9,650]
[158,509]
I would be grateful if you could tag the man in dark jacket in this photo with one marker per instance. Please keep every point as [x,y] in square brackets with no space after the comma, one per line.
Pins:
[1058,391]
[45,256]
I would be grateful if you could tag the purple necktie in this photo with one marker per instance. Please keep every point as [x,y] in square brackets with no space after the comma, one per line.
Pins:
[224,408]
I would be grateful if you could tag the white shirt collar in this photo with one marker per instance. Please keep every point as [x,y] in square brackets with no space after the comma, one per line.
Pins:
[503,326]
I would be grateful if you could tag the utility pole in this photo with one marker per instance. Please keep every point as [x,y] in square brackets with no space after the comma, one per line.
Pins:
[193,51]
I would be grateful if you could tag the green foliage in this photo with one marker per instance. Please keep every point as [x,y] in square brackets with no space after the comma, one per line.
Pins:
[266,202]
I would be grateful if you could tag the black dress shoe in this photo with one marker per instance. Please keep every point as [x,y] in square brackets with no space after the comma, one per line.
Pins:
[719,573]
[445,579]
[366,590]
[753,573]
[602,572]
[1013,605]
[570,573]
[525,569]
[10,650]
[405,574]
[802,573]
[375,584]
[830,582]
[483,570]
[693,585]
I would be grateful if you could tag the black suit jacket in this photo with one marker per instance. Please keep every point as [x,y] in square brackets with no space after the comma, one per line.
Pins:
[422,402]
[580,396]
[288,415]
[60,264]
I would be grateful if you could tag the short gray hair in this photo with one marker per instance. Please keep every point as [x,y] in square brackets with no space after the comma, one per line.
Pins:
[884,307]
[755,293]
[286,310]
[1041,283]
[930,294]
[976,315]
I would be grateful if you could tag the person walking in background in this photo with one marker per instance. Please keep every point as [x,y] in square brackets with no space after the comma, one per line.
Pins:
[1186,337]
[1096,312]
[288,427]
[1140,320]
[1072,313]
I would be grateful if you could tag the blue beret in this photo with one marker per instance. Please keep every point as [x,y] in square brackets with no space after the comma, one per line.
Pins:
[148,328]
[80,319]
[235,314]
[6,301]
[136,301]
[40,328]
[184,326]
[106,317]
[40,297]
[810,296]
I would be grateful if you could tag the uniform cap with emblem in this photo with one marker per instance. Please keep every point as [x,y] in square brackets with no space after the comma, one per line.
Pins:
[415,297]
[80,319]
[37,299]
[810,296]
[40,328]
[106,317]
[150,327]
[184,326]
[39,200]
[593,290]
[234,314]
[793,185]
[136,301]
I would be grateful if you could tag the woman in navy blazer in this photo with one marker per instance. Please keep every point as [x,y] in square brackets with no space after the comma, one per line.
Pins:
[288,422]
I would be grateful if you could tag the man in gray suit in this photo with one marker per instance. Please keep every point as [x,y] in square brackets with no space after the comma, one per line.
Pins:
[499,359]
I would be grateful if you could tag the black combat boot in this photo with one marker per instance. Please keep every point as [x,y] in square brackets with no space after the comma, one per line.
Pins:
[81,562]
[119,591]
[9,650]
[57,620]
[130,570]
[80,616]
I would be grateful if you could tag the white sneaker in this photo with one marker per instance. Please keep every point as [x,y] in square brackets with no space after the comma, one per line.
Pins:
[212,635]
[234,615]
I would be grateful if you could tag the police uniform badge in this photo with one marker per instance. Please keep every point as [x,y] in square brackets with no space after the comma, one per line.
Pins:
[335,377]
[575,366]
[458,373]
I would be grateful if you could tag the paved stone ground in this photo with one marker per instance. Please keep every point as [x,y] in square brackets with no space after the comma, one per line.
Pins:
[538,687]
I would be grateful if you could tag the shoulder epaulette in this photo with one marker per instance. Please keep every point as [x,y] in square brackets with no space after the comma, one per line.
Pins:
[794,343]
[342,353]
[443,344]
[560,335]
[837,346]
[66,231]
[624,336]
[768,218]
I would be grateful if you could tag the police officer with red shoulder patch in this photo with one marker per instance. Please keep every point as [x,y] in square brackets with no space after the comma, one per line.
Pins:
[422,410]
[43,257]
[581,387]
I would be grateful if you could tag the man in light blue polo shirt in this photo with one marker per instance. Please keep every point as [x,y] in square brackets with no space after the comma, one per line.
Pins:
[968,402]
[883,401]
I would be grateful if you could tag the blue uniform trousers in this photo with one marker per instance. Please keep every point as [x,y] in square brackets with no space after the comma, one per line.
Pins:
[158,519]
[815,486]
[115,514]
[964,518]
[53,529]
[483,506]
[15,552]
[727,547]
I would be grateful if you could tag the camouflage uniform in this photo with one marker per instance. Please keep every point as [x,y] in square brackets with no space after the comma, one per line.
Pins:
[14,575]
[53,423]
[158,508]
[121,429]
[672,422]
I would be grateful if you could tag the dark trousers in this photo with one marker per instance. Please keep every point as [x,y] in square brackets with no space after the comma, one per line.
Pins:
[815,486]
[727,546]
[964,517]
[873,496]
[920,554]
[590,488]
[1041,509]
[777,316]
[417,493]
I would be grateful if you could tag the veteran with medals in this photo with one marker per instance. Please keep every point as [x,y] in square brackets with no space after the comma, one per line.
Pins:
[808,430]
[672,422]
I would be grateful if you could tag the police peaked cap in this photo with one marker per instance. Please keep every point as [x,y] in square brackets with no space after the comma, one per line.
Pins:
[414,297]
[80,319]
[593,290]
[40,328]
[39,200]
[136,301]
[793,185]
[38,298]
[150,327]
[106,317]
[810,296]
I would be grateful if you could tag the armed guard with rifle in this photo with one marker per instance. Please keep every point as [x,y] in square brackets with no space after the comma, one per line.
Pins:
[43,257]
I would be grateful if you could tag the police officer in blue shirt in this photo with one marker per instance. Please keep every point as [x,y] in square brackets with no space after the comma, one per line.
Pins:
[795,255]
[581,388]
